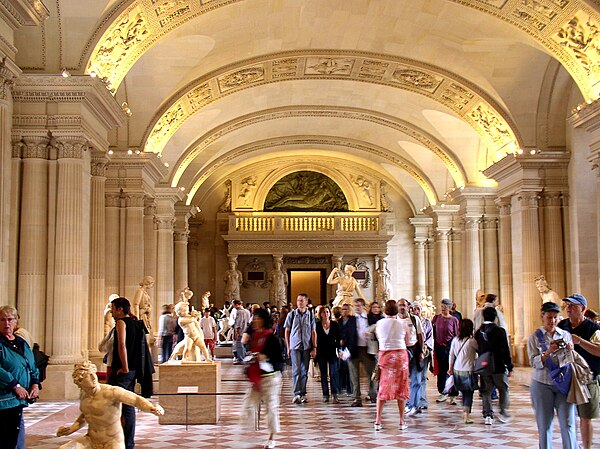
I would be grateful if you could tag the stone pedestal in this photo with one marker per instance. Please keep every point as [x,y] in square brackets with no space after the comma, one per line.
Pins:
[59,385]
[201,409]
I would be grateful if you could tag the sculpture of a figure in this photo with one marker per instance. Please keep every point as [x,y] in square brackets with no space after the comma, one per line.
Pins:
[226,206]
[346,285]
[364,187]
[279,281]
[233,280]
[109,321]
[427,306]
[383,199]
[100,407]
[141,306]
[205,303]
[226,331]
[193,336]
[479,299]
[383,290]
[546,293]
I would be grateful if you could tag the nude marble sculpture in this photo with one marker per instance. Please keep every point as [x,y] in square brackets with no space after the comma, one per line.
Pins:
[346,285]
[141,306]
[193,341]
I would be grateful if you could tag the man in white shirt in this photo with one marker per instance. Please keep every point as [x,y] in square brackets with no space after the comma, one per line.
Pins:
[415,349]
[418,396]
[361,356]
[209,327]
[241,318]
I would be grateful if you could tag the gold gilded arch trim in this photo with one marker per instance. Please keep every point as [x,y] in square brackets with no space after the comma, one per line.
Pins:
[567,29]
[466,100]
[447,157]
[246,151]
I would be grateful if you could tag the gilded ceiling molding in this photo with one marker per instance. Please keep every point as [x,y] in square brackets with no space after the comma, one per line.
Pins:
[471,104]
[245,151]
[568,29]
[447,157]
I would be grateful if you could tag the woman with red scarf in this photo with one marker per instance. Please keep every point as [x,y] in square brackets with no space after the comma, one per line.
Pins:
[264,373]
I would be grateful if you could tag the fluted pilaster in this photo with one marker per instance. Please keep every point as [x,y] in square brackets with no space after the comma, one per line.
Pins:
[113,231]
[472,265]
[490,254]
[442,265]
[420,268]
[506,263]
[70,309]
[134,242]
[33,242]
[14,230]
[554,242]
[164,265]
[456,273]
[150,243]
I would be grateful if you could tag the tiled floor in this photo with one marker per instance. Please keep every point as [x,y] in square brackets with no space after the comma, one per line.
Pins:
[317,424]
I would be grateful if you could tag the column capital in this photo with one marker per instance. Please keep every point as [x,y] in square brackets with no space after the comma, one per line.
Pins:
[489,223]
[165,223]
[98,164]
[134,199]
[9,72]
[113,199]
[70,149]
[32,148]
[552,199]
[504,205]
[529,199]
[149,206]
[181,236]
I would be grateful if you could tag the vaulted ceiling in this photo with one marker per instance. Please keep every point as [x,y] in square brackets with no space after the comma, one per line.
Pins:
[426,93]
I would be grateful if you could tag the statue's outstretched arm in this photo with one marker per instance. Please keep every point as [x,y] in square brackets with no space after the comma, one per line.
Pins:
[68,430]
[333,276]
[130,398]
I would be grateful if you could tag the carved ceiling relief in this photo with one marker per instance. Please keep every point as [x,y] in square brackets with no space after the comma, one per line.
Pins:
[490,125]
[329,66]
[166,127]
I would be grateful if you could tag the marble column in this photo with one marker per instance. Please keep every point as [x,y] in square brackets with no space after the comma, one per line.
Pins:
[490,254]
[8,73]
[505,256]
[33,241]
[71,308]
[134,242]
[150,255]
[420,268]
[472,265]
[164,263]
[112,222]
[430,263]
[193,247]
[98,297]
[530,231]
[442,265]
[180,239]
[554,260]
[456,272]
[15,206]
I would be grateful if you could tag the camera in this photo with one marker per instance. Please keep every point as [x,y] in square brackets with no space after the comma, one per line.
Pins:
[561,343]
[31,400]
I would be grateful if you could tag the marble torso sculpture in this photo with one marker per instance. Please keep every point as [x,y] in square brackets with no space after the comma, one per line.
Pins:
[233,281]
[100,407]
[205,301]
[546,293]
[141,306]
[346,285]
[279,281]
[382,283]
[193,339]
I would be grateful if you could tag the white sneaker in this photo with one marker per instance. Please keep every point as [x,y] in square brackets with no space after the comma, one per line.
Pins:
[442,398]
[453,400]
[410,412]
[270,444]
[297,399]
[503,418]
[489,421]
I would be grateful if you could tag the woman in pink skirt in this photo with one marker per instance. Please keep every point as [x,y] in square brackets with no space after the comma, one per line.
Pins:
[393,363]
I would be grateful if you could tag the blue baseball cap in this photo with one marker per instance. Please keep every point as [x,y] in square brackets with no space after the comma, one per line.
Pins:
[550,307]
[576,298]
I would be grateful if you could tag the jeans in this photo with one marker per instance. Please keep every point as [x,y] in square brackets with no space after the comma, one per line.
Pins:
[166,347]
[368,361]
[126,381]
[333,376]
[21,437]
[417,384]
[423,401]
[487,384]
[300,360]
[239,350]
[545,399]
[464,382]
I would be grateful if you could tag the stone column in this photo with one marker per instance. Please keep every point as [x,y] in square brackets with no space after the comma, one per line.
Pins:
[457,272]
[112,268]
[15,206]
[530,231]
[134,242]
[421,225]
[8,72]
[180,238]
[33,242]
[164,263]
[98,297]
[442,265]
[71,309]
[553,242]
[472,266]
[150,253]
[506,280]
[490,254]
[430,263]
[193,247]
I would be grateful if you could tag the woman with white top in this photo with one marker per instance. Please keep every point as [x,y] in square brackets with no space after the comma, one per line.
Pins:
[463,352]
[392,362]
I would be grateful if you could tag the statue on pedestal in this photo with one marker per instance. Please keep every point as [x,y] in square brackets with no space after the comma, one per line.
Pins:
[193,339]
[205,303]
[546,293]
[279,281]
[383,290]
[233,280]
[100,407]
[141,305]
[346,285]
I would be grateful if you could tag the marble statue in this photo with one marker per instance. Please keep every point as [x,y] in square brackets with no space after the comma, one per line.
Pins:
[141,305]
[427,306]
[346,285]
[546,293]
[233,280]
[205,303]
[100,407]
[226,330]
[479,299]
[109,321]
[279,281]
[383,290]
[193,338]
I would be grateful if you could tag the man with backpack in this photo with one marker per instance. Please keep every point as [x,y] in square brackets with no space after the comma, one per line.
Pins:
[301,341]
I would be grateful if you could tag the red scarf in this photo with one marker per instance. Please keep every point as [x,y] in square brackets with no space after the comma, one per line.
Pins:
[257,345]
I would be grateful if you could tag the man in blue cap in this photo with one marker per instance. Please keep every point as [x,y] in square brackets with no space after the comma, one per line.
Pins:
[586,338]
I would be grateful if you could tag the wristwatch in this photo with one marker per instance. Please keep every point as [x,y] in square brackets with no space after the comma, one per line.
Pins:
[17,386]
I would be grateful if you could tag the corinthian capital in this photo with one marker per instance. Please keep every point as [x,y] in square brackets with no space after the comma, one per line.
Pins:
[71,150]
[181,236]
[529,199]
[165,223]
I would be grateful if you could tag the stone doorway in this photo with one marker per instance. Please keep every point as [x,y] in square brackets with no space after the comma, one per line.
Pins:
[308,280]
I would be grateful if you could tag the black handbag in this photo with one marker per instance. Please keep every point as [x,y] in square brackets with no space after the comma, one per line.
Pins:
[484,364]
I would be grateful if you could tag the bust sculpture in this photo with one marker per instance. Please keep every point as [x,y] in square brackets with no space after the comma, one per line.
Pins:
[193,338]
[346,285]
[100,407]
[279,281]
[141,306]
[233,280]
[546,293]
